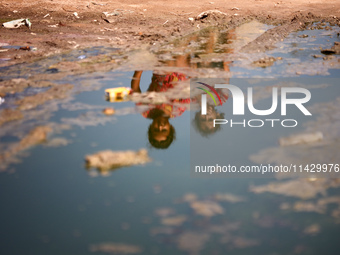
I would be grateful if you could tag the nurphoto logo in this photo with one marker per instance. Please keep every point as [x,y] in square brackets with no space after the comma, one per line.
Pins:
[238,105]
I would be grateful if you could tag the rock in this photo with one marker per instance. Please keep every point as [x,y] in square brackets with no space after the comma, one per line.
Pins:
[106,160]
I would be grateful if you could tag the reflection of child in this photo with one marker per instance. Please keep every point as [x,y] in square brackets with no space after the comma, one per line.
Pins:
[161,133]
[204,123]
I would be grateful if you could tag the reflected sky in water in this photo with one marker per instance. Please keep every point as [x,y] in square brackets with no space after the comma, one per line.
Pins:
[53,204]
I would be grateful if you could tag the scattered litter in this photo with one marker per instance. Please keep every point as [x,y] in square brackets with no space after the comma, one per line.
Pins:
[2,100]
[191,19]
[106,160]
[33,34]
[117,94]
[210,12]
[109,111]
[76,15]
[18,23]
[301,139]
[235,9]
[82,57]
[15,11]
[165,22]
[3,50]
[56,25]
[47,15]
[108,16]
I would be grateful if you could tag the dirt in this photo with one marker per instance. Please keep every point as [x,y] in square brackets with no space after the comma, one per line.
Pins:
[56,28]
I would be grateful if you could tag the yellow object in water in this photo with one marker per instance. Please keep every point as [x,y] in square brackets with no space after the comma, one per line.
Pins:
[117,94]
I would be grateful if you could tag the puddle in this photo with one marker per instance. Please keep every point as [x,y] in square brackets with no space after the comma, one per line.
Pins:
[53,202]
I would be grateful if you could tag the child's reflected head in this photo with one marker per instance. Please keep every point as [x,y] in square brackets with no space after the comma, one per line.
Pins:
[204,123]
[160,133]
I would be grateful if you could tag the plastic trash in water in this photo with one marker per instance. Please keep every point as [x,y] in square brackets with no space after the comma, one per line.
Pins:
[117,94]
[2,100]
[82,57]
[17,23]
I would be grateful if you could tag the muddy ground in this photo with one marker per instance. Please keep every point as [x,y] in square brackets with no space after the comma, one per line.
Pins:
[56,28]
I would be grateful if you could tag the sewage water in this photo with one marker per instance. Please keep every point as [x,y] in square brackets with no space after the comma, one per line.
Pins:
[52,203]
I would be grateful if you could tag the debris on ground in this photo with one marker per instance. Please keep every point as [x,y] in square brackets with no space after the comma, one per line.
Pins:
[208,13]
[106,160]
[18,23]
[301,139]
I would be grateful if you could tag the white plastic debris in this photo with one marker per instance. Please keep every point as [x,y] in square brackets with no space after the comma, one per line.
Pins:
[301,139]
[235,9]
[47,15]
[208,13]
[191,19]
[76,15]
[2,100]
[17,23]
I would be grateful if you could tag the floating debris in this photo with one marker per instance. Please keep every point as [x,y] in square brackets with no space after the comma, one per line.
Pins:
[117,94]
[109,111]
[106,160]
